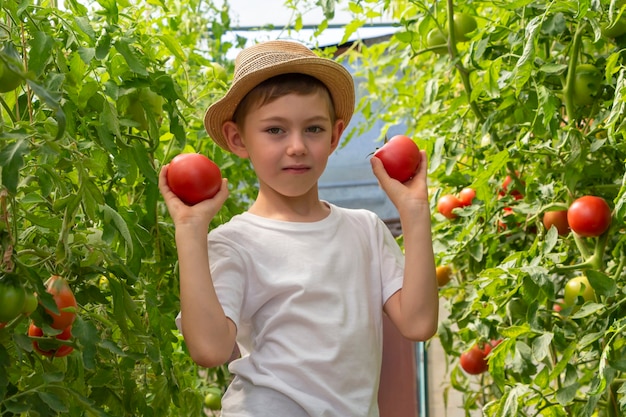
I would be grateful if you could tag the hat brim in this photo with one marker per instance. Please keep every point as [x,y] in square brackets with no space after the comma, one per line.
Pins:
[335,76]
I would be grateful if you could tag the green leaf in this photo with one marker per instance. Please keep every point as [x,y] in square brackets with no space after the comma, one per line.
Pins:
[53,401]
[40,52]
[131,56]
[111,215]
[12,161]
[541,346]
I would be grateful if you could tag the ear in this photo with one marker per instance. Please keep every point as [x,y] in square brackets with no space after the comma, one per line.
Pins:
[231,132]
[338,129]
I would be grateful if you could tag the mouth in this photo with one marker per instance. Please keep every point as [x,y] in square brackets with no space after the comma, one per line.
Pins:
[296,169]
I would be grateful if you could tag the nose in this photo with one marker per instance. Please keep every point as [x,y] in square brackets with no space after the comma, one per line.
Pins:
[296,144]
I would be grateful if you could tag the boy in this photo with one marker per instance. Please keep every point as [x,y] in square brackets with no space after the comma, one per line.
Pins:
[299,284]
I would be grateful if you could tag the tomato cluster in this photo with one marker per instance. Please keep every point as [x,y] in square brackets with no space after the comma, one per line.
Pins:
[474,361]
[448,202]
[59,320]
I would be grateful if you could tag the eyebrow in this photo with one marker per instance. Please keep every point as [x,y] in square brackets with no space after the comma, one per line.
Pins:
[312,119]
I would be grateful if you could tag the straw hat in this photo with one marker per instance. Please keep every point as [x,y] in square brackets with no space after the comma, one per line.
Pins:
[259,62]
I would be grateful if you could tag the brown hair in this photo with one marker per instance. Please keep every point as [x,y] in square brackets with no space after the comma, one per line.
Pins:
[280,86]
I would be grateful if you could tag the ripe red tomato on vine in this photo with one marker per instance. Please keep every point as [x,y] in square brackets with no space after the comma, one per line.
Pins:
[589,216]
[65,301]
[57,352]
[474,360]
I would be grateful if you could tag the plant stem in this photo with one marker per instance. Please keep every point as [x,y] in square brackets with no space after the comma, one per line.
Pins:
[571,72]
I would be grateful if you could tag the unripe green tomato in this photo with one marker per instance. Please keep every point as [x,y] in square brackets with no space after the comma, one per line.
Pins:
[578,287]
[614,29]
[213,399]
[438,41]
[463,24]
[30,303]
[586,84]
[12,300]
[9,80]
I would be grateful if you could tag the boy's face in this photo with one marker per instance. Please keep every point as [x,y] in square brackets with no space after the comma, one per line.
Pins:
[288,142]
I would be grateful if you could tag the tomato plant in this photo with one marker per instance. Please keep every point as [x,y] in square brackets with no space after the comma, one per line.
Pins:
[66,307]
[481,117]
[589,216]
[474,360]
[558,219]
[51,348]
[193,177]
[12,299]
[400,157]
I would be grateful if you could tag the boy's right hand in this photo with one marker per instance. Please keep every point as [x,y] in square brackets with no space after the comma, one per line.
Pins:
[199,215]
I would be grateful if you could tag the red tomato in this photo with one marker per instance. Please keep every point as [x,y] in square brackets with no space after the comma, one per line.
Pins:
[446,204]
[193,177]
[400,157]
[589,216]
[467,195]
[505,188]
[62,350]
[65,301]
[474,360]
[558,219]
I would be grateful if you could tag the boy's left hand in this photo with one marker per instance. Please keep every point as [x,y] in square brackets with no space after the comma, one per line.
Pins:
[409,193]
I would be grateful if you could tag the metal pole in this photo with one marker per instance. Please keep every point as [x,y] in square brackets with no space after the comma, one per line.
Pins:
[422,383]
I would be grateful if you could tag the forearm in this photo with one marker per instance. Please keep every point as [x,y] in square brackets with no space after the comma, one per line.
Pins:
[209,334]
[419,297]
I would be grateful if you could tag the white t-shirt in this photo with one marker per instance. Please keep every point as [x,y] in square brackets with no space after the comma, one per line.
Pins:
[307,301]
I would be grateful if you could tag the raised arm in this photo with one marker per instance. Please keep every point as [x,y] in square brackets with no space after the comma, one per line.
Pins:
[415,308]
[208,333]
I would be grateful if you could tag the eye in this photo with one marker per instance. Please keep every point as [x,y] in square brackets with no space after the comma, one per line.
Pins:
[315,129]
[274,130]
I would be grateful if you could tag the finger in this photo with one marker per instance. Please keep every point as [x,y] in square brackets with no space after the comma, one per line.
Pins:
[378,169]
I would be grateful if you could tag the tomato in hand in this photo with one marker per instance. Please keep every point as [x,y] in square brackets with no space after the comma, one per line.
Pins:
[400,157]
[474,360]
[578,287]
[446,204]
[193,177]
[57,352]
[467,195]
[65,302]
[558,219]
[589,216]
[12,299]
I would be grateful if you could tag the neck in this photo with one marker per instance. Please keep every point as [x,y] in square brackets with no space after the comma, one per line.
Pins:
[306,208]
